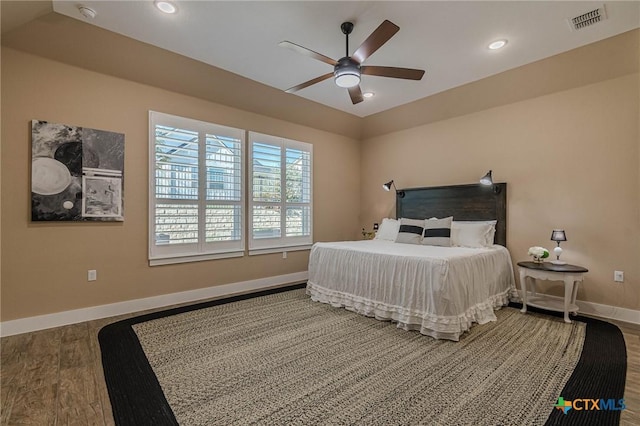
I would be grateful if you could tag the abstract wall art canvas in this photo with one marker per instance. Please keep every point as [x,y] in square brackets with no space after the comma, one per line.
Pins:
[77,174]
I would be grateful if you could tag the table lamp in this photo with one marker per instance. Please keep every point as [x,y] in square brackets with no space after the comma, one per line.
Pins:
[558,235]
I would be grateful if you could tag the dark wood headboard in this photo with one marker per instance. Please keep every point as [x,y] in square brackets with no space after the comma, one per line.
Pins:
[463,202]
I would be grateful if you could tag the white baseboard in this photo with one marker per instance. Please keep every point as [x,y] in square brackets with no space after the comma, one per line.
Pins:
[602,311]
[41,322]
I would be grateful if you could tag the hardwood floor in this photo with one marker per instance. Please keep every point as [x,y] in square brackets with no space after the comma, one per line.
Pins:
[54,377]
[631,415]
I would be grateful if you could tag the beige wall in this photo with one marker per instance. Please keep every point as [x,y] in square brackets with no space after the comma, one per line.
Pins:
[44,265]
[571,161]
[570,157]
[604,60]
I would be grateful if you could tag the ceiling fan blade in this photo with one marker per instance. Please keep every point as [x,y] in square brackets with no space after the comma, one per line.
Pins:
[309,83]
[356,94]
[308,52]
[380,36]
[406,73]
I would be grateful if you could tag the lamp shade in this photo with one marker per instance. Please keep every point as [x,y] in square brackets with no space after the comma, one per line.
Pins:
[487,179]
[558,235]
[387,186]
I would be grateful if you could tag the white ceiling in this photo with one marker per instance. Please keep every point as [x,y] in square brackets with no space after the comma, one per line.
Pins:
[447,39]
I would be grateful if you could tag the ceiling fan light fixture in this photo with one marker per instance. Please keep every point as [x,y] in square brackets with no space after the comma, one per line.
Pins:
[347,80]
[347,73]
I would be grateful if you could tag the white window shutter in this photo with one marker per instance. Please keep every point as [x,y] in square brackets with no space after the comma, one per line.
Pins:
[280,194]
[196,202]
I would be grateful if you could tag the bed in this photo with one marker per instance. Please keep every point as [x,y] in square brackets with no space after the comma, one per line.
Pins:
[439,291]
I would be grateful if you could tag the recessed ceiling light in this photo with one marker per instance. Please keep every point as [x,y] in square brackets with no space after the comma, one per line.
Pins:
[498,44]
[368,94]
[87,12]
[166,6]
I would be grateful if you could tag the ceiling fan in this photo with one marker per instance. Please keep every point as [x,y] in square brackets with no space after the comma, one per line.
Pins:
[347,71]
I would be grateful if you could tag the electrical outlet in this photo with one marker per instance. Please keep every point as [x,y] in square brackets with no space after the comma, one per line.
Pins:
[618,276]
[375,226]
[284,254]
[92,275]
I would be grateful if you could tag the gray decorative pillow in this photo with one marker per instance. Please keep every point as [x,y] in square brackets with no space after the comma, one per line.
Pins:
[410,231]
[437,232]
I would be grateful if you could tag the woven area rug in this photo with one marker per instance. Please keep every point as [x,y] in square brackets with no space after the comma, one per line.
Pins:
[280,358]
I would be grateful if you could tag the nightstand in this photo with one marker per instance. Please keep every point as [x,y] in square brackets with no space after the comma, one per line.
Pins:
[571,275]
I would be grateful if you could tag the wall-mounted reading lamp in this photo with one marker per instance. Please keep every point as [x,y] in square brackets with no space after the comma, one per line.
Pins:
[488,181]
[387,187]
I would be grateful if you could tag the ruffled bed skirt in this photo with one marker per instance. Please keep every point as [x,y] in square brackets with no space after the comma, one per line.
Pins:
[439,327]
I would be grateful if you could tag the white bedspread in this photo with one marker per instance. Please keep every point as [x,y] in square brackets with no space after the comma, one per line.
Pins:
[440,291]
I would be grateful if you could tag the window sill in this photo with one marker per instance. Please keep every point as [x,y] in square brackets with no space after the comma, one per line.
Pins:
[194,258]
[271,250]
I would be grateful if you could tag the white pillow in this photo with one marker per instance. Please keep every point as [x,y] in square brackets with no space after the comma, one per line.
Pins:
[410,231]
[437,232]
[473,233]
[388,230]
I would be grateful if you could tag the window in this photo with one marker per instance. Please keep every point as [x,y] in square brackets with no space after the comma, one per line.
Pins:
[196,202]
[281,199]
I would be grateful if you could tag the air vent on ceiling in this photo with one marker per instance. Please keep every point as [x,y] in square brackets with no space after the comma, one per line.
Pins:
[587,19]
